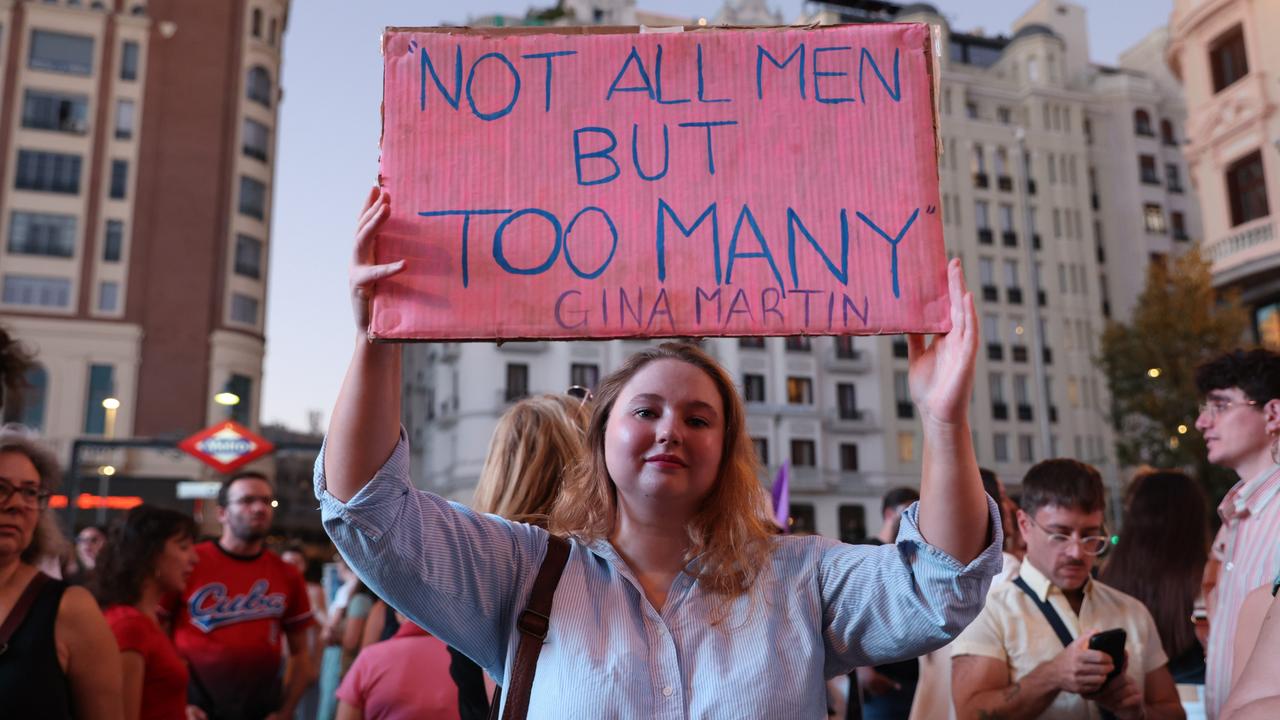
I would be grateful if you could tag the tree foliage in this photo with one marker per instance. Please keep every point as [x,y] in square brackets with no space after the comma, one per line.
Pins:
[1179,322]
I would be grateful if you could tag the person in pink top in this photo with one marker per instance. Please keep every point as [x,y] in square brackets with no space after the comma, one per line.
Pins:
[149,555]
[403,678]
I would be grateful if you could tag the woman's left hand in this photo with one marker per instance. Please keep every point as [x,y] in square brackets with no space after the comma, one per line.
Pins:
[941,374]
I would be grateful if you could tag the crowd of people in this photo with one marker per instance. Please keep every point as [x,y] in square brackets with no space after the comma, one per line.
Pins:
[621,559]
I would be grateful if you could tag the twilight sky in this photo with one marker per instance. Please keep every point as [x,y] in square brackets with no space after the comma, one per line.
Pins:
[327,158]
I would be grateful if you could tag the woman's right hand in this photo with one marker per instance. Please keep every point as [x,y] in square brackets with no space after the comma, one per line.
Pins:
[363,273]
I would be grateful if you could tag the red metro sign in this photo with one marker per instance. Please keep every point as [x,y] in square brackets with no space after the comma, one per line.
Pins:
[226,446]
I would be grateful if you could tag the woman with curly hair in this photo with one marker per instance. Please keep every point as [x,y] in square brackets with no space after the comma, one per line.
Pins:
[147,556]
[678,599]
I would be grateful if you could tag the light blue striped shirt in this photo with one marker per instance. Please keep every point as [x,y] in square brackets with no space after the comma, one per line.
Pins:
[817,609]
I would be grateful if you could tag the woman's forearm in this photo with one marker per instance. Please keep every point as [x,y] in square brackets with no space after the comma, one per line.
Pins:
[954,515]
[365,425]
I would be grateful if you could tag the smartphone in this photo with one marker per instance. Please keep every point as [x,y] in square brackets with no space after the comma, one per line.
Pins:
[1112,643]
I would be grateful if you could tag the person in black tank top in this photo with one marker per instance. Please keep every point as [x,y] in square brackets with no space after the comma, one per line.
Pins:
[32,683]
[40,616]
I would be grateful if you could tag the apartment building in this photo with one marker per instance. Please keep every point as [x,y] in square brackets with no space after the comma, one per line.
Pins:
[1060,180]
[137,148]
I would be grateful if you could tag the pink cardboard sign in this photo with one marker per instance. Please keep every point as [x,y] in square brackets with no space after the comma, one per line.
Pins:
[700,183]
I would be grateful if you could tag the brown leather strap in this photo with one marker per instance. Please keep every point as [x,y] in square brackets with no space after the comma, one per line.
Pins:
[20,609]
[533,624]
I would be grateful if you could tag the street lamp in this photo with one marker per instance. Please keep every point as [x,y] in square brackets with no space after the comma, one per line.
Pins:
[1153,373]
[228,398]
[110,405]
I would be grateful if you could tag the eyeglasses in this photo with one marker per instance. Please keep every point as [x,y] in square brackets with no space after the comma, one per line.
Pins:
[1214,408]
[248,500]
[581,393]
[29,496]
[1092,545]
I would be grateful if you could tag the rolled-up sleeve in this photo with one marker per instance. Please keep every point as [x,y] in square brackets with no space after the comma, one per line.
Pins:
[455,572]
[903,600]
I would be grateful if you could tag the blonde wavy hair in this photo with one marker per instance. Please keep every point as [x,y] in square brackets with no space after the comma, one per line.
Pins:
[731,535]
[534,443]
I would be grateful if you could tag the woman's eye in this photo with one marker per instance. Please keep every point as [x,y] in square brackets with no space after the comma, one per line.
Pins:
[699,422]
[643,413]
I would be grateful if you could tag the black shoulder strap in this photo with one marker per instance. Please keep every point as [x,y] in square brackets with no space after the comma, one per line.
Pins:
[19,611]
[1055,620]
[532,624]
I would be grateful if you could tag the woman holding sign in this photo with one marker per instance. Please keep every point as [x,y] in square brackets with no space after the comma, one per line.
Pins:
[677,598]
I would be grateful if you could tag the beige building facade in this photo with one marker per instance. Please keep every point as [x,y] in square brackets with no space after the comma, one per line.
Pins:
[137,147]
[1228,65]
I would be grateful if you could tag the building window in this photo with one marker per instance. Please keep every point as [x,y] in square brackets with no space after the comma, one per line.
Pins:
[242,387]
[113,243]
[124,119]
[271,32]
[803,453]
[798,343]
[63,112]
[847,397]
[1026,449]
[248,256]
[253,198]
[848,457]
[1004,116]
[1000,447]
[255,26]
[1147,169]
[756,343]
[108,296]
[1166,133]
[902,395]
[761,446]
[256,139]
[906,447]
[802,515]
[119,179]
[244,309]
[1227,58]
[1153,218]
[101,386]
[517,381]
[29,405]
[853,523]
[259,86]
[753,388]
[48,172]
[1142,123]
[1178,223]
[129,60]
[971,110]
[980,215]
[1247,189]
[1172,179]
[844,348]
[585,375]
[799,391]
[36,291]
[32,233]
[60,52]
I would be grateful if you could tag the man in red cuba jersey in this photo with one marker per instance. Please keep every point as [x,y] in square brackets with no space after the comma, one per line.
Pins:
[240,603]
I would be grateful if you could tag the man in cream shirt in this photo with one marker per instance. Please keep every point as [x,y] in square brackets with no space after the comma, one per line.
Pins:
[1012,664]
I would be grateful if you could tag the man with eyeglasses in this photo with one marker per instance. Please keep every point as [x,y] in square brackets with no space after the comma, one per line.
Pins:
[1027,654]
[1240,421]
[240,602]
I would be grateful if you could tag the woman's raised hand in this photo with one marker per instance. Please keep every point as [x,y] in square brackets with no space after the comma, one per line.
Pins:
[941,374]
[363,274]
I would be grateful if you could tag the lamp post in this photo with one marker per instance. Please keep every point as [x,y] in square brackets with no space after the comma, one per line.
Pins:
[227,399]
[110,405]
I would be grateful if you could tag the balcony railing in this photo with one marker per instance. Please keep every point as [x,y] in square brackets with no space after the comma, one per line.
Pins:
[1009,238]
[981,180]
[1249,236]
[1005,183]
[984,236]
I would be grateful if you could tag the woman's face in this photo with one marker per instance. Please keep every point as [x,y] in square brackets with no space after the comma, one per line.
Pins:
[175,563]
[665,437]
[18,517]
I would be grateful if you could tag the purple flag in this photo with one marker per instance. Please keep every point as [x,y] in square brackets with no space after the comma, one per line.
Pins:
[781,493]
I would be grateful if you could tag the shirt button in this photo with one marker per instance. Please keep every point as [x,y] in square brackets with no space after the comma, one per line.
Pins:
[667,691]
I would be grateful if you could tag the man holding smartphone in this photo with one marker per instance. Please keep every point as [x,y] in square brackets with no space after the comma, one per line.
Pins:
[1028,654]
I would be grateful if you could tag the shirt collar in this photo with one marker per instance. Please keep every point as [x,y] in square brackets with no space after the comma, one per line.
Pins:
[1040,583]
[1250,496]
